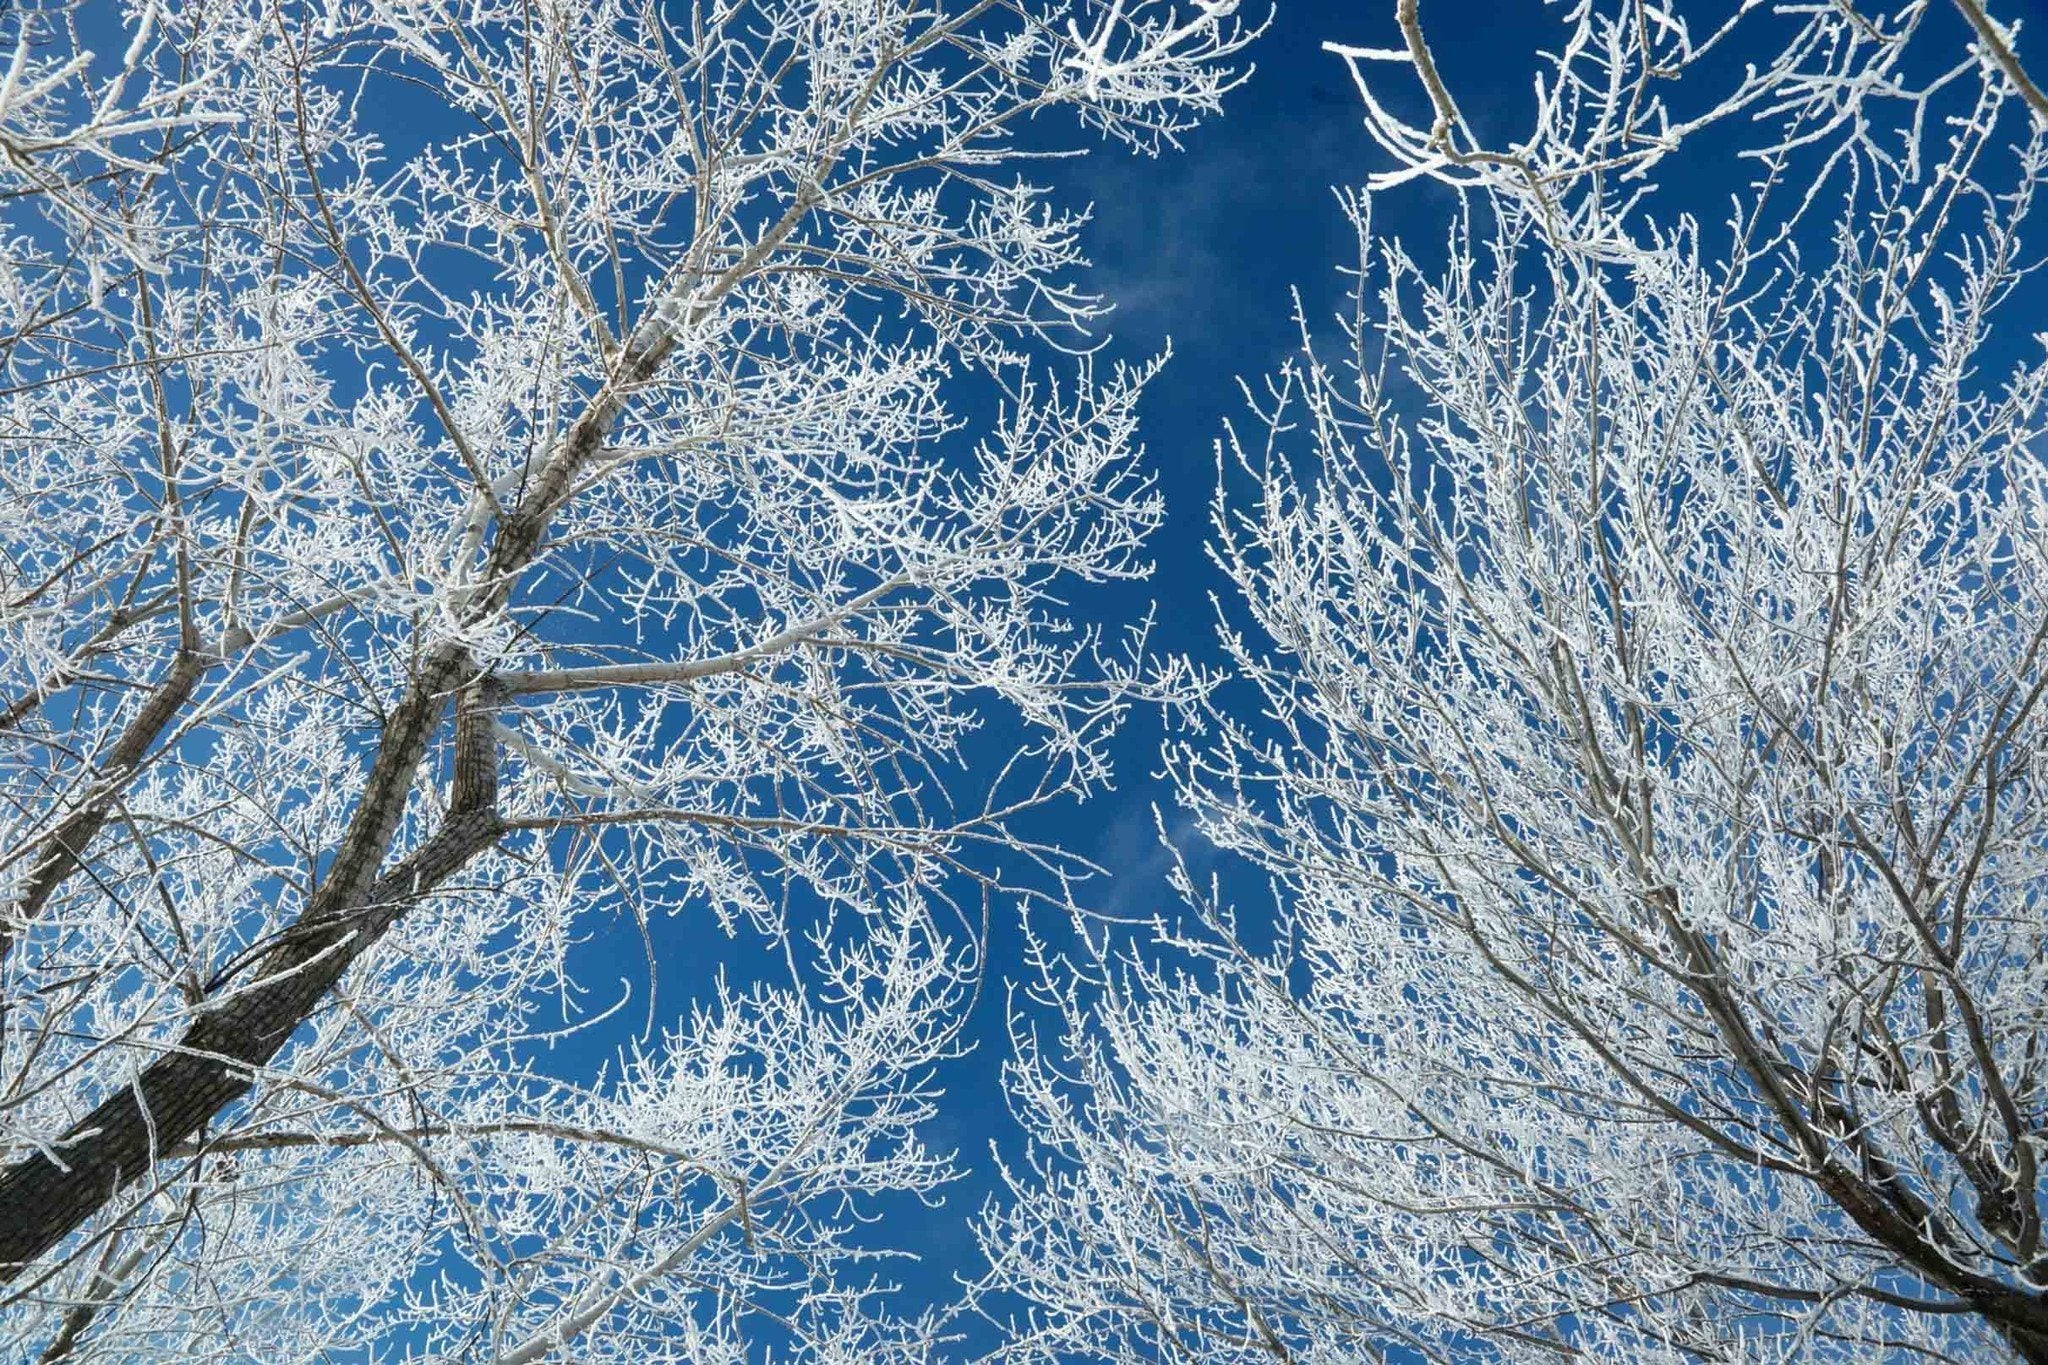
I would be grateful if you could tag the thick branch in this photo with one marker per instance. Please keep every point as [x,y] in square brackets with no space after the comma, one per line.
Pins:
[2001,51]
[236,1033]
[230,1039]
[60,852]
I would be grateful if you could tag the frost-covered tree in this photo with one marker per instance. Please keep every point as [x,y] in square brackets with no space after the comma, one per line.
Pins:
[1639,712]
[473,474]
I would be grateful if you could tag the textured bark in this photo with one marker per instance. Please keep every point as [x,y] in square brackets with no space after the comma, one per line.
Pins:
[2031,1347]
[43,1198]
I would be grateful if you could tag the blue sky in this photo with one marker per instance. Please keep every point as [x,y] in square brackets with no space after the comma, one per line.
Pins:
[1206,246]
[1203,248]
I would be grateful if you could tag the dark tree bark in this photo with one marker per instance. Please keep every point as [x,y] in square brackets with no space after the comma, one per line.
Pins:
[43,1199]
[232,1036]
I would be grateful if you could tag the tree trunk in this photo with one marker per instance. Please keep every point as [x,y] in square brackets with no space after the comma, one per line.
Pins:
[43,1198]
